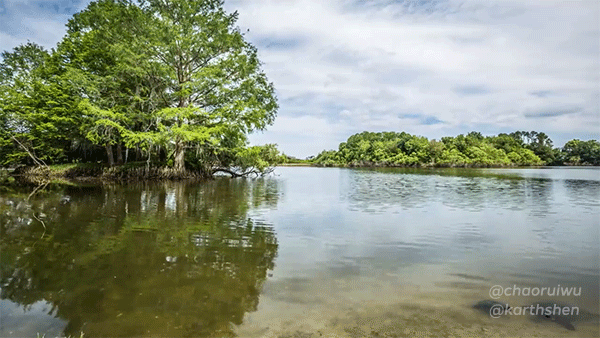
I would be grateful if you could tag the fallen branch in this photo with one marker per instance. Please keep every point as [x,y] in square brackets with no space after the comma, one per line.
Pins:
[37,161]
[252,171]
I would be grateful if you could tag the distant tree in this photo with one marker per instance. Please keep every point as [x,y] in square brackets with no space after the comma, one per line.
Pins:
[538,142]
[403,149]
[581,152]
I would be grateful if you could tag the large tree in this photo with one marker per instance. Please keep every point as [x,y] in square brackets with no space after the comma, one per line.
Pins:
[173,74]
[103,41]
[215,85]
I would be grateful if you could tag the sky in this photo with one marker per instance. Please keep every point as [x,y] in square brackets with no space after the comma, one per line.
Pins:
[428,67]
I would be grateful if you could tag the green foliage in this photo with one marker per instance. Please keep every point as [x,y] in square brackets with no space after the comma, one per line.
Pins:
[402,149]
[471,150]
[259,157]
[539,143]
[38,115]
[166,82]
[214,84]
[579,152]
[328,158]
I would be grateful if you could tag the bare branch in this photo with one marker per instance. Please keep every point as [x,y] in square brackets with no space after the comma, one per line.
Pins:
[39,162]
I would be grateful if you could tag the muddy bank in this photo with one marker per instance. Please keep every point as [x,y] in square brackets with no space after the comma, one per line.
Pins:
[99,173]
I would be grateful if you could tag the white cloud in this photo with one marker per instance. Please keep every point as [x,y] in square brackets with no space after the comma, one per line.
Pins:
[302,136]
[46,32]
[345,66]
[10,41]
[42,22]
[388,59]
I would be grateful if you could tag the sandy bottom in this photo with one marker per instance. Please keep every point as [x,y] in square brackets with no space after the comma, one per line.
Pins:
[385,307]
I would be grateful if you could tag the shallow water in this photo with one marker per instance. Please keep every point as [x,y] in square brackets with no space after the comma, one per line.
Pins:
[308,252]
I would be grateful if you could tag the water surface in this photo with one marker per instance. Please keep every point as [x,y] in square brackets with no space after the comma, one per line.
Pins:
[307,252]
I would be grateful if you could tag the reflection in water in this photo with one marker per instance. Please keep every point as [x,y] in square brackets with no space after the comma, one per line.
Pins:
[169,259]
[389,225]
[586,193]
[375,190]
[396,252]
[21,321]
[477,206]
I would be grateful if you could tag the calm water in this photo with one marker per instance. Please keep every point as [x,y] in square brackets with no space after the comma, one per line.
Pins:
[309,252]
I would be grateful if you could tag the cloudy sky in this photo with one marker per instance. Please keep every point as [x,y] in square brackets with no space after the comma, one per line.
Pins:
[428,67]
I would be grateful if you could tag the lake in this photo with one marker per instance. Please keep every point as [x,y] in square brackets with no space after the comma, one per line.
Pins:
[306,252]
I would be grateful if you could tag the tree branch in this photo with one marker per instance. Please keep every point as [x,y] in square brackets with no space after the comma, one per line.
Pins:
[243,174]
[39,162]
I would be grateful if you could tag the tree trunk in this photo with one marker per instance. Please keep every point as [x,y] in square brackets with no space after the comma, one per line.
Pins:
[109,153]
[119,154]
[179,157]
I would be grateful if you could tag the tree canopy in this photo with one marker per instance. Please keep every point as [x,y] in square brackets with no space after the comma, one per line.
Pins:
[474,149]
[169,82]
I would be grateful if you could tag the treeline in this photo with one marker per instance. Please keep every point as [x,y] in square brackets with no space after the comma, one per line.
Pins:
[172,84]
[472,150]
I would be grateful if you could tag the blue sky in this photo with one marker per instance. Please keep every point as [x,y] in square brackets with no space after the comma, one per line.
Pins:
[428,67]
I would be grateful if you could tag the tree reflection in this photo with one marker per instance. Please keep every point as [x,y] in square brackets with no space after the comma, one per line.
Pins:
[586,192]
[162,260]
[472,190]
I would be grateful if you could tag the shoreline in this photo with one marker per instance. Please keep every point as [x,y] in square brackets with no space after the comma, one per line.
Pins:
[295,165]
[99,173]
[434,166]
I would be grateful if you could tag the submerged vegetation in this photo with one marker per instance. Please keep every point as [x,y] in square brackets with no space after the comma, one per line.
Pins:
[471,150]
[176,86]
